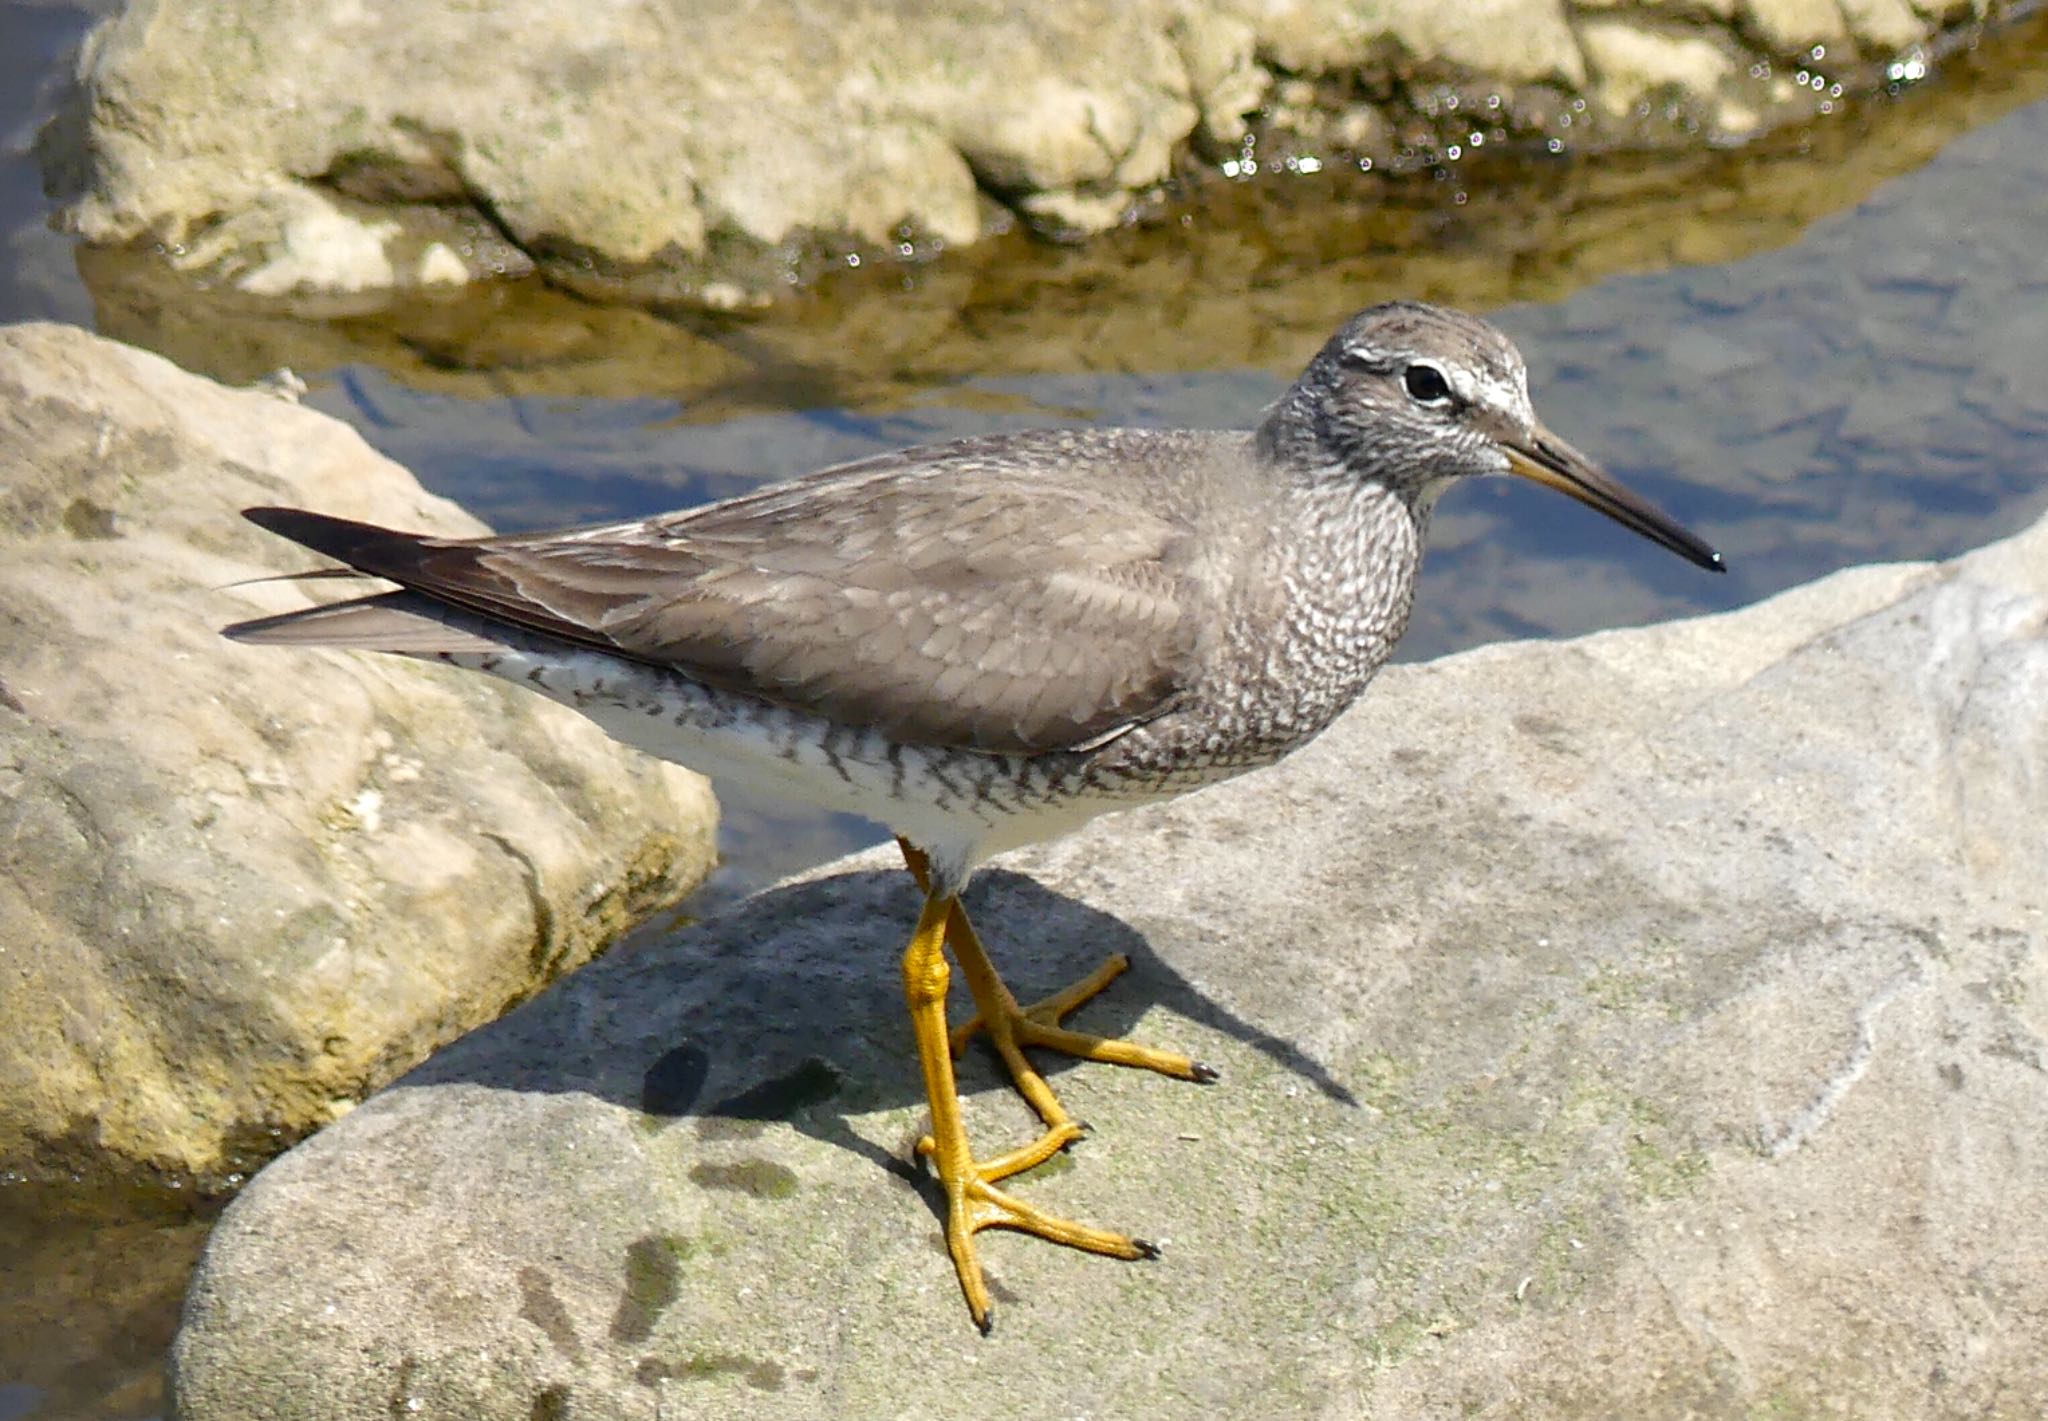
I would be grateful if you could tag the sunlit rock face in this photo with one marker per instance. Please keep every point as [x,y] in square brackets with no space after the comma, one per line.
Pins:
[677,151]
[239,889]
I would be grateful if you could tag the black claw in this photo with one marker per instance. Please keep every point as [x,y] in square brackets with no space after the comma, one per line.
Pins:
[1146,1248]
[986,1322]
[1205,1074]
[1086,1130]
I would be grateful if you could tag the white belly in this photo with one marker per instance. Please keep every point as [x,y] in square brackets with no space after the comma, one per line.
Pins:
[937,800]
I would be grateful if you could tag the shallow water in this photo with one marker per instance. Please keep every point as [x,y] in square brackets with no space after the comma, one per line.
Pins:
[1826,351]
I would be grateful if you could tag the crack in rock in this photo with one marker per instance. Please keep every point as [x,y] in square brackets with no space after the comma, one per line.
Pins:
[1821,1108]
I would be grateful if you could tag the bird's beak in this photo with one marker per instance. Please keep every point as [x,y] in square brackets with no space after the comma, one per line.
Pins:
[1543,457]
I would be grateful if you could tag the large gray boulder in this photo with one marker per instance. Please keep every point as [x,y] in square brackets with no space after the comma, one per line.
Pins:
[711,152]
[240,889]
[1646,1025]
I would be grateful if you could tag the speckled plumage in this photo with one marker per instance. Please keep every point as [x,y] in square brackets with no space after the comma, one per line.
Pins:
[987,642]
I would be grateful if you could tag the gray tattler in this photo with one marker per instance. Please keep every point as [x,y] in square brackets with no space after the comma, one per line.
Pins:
[988,642]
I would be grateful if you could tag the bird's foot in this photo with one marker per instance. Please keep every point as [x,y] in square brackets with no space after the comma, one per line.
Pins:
[973,1203]
[1039,1025]
[1016,1161]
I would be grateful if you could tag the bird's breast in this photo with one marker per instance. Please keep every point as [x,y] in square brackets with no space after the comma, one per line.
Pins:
[1314,619]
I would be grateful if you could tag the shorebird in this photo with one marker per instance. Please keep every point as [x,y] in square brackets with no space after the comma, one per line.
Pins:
[986,643]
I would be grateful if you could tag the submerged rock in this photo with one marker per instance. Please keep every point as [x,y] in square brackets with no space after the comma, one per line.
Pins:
[714,153]
[240,889]
[1650,1024]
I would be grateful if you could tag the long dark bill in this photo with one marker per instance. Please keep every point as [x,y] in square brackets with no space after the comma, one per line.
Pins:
[1546,459]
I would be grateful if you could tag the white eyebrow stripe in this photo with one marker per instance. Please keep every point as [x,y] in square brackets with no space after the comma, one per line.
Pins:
[1490,388]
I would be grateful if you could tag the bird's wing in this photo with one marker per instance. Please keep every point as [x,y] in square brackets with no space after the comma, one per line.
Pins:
[1004,614]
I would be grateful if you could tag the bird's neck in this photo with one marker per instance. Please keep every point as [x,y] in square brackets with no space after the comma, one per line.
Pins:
[1353,564]
[1392,518]
[1291,436]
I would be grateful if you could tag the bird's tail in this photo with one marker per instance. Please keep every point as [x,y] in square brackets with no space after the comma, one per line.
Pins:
[402,622]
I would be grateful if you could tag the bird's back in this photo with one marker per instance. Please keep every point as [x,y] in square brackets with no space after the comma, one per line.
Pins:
[1013,594]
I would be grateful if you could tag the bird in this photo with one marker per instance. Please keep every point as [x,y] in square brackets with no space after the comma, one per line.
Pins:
[988,642]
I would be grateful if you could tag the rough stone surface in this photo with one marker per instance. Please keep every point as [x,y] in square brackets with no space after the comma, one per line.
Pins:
[1646,1025]
[239,888]
[1631,59]
[1511,41]
[1790,26]
[712,153]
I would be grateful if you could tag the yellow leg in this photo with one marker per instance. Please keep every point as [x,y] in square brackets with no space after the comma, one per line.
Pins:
[1010,1027]
[973,1203]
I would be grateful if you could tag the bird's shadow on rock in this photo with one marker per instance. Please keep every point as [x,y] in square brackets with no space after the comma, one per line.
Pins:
[789,1008]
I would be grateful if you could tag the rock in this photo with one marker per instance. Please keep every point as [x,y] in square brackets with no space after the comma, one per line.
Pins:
[1508,41]
[1883,27]
[626,143]
[1174,296]
[1633,59]
[1645,1025]
[1793,26]
[715,154]
[240,889]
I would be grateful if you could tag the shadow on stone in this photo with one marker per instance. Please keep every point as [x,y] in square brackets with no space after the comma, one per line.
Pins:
[789,1010]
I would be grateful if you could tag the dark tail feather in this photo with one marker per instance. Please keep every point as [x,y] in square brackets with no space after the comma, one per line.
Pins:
[459,576]
[381,552]
[322,574]
[403,622]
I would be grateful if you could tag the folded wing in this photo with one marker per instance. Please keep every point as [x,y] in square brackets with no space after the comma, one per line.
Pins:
[1012,615]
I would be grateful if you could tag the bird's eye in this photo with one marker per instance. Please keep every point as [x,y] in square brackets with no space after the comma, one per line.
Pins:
[1426,384]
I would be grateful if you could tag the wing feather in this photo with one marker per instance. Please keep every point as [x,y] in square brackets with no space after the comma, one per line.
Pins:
[1031,613]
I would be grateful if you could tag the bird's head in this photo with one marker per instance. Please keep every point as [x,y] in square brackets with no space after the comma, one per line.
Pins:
[1414,396]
